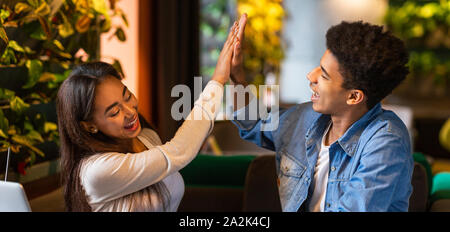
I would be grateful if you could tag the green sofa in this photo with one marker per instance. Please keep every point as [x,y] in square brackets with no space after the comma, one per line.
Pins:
[248,183]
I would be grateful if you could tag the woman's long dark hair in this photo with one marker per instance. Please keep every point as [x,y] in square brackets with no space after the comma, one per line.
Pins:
[75,103]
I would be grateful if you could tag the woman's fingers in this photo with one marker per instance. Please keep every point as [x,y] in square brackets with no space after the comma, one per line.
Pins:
[231,34]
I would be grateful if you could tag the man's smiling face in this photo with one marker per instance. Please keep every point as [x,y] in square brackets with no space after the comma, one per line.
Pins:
[329,97]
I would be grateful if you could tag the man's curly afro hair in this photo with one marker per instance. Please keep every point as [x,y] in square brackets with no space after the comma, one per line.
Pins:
[369,59]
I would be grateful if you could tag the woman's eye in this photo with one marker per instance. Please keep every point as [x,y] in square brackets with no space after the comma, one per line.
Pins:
[128,98]
[115,114]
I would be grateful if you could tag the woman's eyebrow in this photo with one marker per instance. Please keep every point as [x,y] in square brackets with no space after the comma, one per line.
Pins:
[116,103]
[124,91]
[110,107]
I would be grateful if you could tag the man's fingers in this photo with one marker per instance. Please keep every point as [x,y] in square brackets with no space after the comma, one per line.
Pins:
[241,27]
[237,51]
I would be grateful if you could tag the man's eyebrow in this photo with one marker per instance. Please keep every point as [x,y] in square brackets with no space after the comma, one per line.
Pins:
[325,71]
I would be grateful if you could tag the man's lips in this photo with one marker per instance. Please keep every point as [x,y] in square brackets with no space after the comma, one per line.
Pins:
[315,95]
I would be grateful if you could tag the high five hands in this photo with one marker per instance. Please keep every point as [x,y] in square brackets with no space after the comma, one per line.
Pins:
[230,62]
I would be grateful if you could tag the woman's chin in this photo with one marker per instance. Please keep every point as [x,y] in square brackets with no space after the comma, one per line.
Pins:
[134,133]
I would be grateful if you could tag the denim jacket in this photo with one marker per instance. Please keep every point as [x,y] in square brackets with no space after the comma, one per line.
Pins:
[370,165]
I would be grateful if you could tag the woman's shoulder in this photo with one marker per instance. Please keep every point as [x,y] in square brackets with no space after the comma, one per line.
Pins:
[151,135]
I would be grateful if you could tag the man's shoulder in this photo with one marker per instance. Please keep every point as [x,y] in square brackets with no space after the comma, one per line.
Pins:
[297,119]
[388,122]
[302,110]
[388,127]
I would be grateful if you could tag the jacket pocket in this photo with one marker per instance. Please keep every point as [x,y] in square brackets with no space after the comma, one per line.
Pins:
[289,176]
[290,167]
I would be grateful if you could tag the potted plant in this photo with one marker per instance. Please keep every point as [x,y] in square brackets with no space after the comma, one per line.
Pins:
[424,26]
[263,28]
[40,41]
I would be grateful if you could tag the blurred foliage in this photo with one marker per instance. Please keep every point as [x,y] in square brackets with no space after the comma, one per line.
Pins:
[216,16]
[40,41]
[424,26]
[262,46]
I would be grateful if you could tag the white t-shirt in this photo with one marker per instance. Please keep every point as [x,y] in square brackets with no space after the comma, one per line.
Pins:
[117,182]
[317,202]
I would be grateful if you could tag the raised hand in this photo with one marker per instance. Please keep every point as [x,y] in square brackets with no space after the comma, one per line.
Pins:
[237,62]
[223,67]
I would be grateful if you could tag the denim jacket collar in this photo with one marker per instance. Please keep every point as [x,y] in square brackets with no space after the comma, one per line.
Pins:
[349,140]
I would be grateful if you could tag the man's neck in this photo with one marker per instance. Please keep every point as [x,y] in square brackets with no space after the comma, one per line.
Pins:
[342,121]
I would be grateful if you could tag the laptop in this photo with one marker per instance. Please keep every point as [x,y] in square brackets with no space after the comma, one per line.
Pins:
[13,198]
[12,195]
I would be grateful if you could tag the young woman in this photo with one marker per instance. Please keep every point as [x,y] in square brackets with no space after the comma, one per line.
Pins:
[109,162]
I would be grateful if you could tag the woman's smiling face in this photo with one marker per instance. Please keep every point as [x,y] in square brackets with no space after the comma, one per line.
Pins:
[115,110]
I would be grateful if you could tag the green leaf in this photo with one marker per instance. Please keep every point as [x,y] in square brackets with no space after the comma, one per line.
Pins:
[64,54]
[38,34]
[4,125]
[120,34]
[12,130]
[14,45]
[35,68]
[35,136]
[58,45]
[32,157]
[124,18]
[22,140]
[33,3]
[5,144]
[61,77]
[43,9]
[3,35]
[28,126]
[8,57]
[22,7]
[3,39]
[4,14]
[18,105]
[118,67]
[100,6]
[6,94]
[50,126]
[28,50]
[46,76]
[65,29]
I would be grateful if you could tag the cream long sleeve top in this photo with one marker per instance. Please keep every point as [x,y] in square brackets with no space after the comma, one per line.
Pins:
[118,182]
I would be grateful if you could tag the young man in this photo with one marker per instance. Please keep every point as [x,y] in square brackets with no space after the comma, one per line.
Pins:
[341,151]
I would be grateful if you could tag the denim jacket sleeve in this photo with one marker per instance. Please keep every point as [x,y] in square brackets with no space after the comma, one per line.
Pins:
[383,176]
[257,130]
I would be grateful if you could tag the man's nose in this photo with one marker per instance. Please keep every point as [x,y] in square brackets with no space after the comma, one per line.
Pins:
[312,76]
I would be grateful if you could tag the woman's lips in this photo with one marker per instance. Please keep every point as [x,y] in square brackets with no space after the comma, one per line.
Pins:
[133,125]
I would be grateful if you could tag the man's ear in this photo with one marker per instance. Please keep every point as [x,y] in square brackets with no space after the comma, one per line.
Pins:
[355,97]
[89,127]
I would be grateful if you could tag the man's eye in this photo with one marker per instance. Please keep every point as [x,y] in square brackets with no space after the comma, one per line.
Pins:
[324,77]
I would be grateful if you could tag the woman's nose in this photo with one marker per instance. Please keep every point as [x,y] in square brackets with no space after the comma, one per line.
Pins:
[129,109]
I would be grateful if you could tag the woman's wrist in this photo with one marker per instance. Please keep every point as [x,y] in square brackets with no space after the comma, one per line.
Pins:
[221,79]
